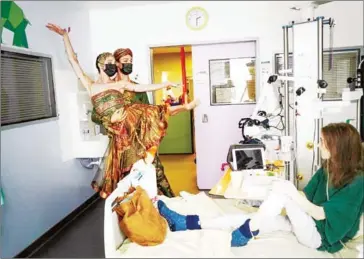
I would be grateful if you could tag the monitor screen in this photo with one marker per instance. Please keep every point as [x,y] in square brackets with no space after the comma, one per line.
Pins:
[249,159]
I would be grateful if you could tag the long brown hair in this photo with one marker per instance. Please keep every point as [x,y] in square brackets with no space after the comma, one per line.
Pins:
[343,142]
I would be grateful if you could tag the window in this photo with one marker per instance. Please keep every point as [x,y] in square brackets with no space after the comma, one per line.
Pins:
[344,64]
[232,81]
[27,88]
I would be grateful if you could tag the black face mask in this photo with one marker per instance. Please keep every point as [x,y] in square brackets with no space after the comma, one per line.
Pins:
[127,68]
[110,70]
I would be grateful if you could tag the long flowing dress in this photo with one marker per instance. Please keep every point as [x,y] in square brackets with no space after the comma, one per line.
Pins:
[143,127]
[163,185]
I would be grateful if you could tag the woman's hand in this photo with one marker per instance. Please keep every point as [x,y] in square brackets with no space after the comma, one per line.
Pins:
[169,85]
[57,29]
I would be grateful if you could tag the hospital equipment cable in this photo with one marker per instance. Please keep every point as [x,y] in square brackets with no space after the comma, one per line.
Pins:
[280,112]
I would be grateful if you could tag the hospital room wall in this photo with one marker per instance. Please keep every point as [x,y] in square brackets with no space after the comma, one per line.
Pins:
[40,187]
[348,31]
[228,20]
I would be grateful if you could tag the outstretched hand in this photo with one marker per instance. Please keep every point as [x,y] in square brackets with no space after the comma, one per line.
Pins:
[57,29]
[170,84]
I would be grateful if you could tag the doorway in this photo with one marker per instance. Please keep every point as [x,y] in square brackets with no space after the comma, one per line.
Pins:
[223,77]
[177,150]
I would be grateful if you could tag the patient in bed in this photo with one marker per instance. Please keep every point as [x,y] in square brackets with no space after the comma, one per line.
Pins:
[324,218]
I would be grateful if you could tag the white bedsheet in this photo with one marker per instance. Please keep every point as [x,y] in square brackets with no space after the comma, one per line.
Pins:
[216,243]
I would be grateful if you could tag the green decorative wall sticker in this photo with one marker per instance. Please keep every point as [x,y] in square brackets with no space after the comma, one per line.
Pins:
[13,19]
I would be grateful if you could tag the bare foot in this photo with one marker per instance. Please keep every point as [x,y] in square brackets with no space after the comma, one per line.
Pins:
[192,105]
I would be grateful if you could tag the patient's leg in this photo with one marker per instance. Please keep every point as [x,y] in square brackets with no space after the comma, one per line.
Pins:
[242,234]
[302,224]
[233,221]
[268,210]
[178,222]
[226,222]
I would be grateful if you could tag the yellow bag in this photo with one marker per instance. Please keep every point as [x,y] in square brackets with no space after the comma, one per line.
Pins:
[139,220]
[220,188]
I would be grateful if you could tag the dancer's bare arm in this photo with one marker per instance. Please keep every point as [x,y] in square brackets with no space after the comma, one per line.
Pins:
[147,88]
[121,86]
[72,58]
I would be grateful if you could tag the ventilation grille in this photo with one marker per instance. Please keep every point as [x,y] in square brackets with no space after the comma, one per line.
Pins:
[27,89]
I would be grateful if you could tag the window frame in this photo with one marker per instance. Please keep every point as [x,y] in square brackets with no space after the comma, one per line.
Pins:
[358,49]
[254,59]
[28,52]
[257,60]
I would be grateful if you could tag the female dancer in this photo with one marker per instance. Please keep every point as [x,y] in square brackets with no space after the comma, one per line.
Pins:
[129,125]
[124,61]
[324,218]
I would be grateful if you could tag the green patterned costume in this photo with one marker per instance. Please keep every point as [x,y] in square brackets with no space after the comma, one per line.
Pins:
[130,156]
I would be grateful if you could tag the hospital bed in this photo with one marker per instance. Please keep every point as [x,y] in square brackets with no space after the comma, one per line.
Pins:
[212,243]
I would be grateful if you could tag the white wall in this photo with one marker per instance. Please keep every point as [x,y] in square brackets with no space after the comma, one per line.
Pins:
[40,187]
[348,30]
[138,27]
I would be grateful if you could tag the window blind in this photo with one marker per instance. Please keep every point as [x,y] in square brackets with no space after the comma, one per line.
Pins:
[344,63]
[27,88]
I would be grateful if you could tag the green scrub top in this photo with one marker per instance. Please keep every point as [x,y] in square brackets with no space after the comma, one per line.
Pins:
[342,211]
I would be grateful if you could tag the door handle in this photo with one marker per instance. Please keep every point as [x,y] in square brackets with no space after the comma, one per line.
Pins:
[205,118]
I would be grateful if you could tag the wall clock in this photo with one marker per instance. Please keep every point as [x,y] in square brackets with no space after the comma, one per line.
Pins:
[197,18]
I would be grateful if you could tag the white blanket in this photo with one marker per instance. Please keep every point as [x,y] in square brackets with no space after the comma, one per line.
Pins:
[216,243]
[183,244]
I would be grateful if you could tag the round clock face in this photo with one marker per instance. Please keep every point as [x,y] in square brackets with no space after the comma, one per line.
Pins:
[196,18]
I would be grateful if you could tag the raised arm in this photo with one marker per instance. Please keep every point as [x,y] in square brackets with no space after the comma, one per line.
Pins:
[72,58]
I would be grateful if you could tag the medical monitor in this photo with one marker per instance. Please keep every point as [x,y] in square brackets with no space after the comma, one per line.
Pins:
[248,159]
